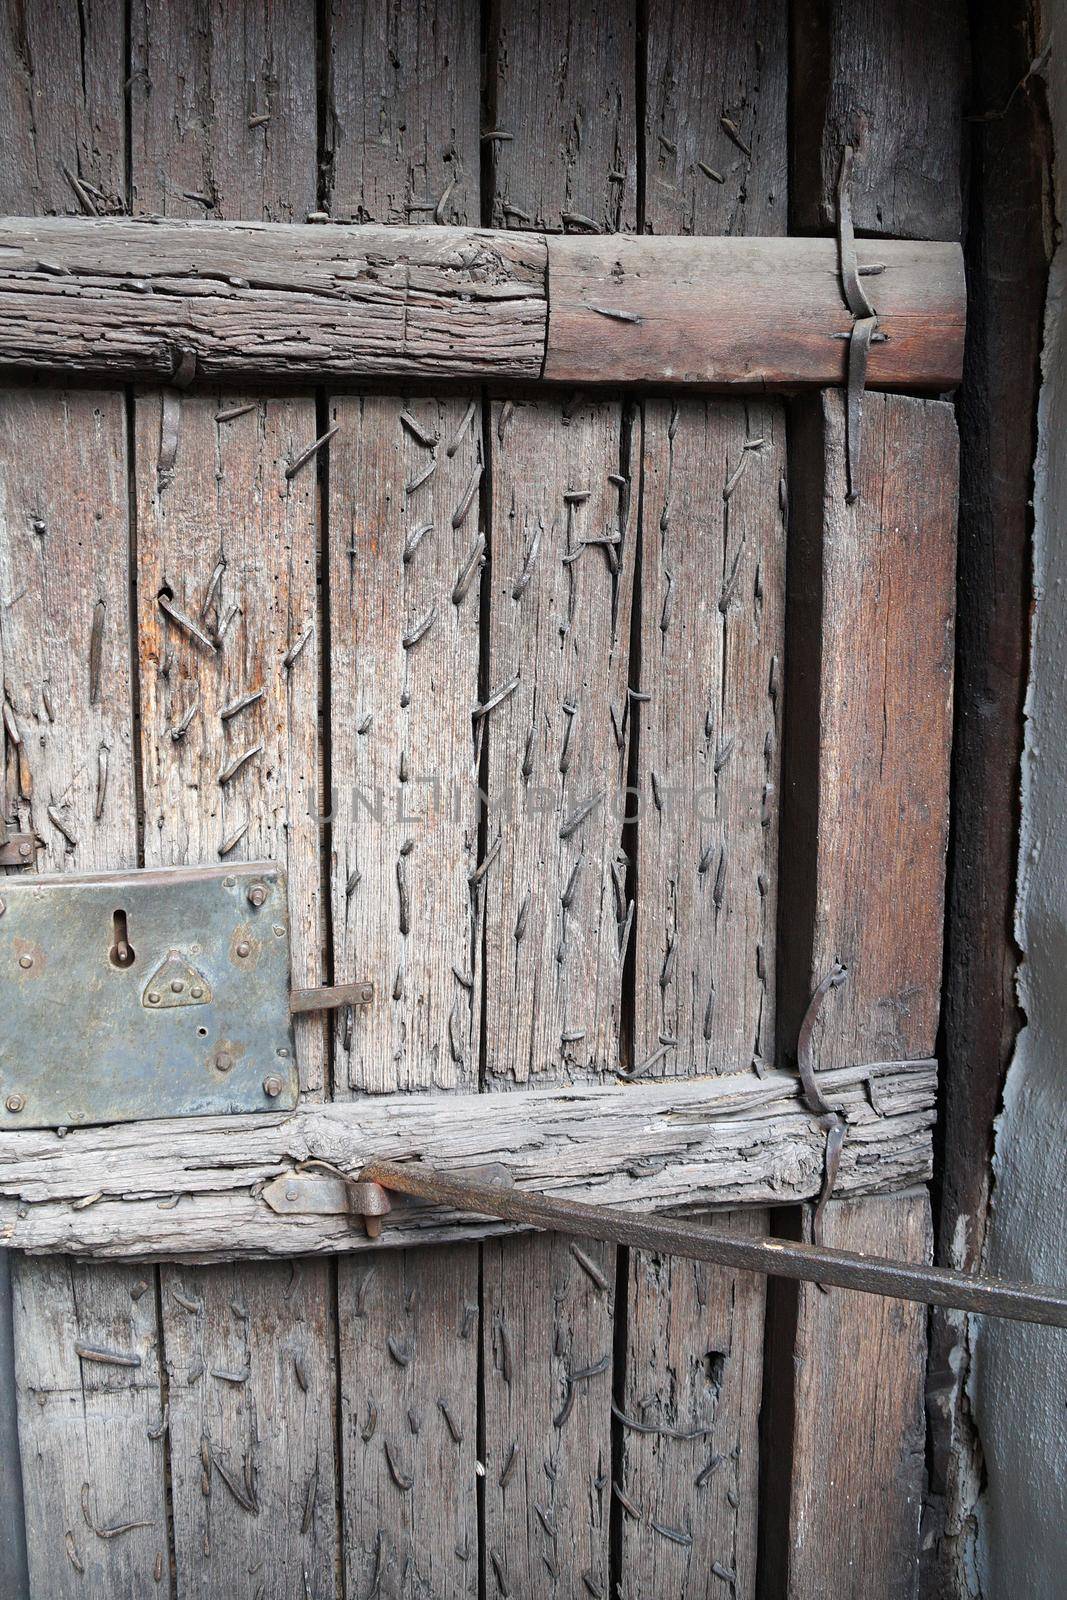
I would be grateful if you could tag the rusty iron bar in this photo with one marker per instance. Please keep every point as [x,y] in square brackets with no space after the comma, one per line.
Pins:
[779,1258]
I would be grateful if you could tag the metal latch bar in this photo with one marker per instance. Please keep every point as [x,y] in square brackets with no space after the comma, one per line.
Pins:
[773,1257]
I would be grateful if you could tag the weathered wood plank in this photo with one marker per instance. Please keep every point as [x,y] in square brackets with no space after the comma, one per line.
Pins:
[870,692]
[694,1376]
[405,546]
[728,1138]
[409,1422]
[223,109]
[715,118]
[405,552]
[711,644]
[402,137]
[62,118]
[93,1455]
[561,90]
[226,525]
[66,666]
[118,299]
[227,541]
[558,638]
[562,83]
[252,1393]
[887,80]
[712,626]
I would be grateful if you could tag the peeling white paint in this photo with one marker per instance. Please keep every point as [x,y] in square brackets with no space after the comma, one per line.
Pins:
[1018,1380]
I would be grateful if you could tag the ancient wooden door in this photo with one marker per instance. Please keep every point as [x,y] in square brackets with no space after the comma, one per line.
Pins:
[594,729]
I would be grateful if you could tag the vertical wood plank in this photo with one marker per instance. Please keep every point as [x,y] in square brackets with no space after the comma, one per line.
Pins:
[402,146]
[405,580]
[223,110]
[707,745]
[62,116]
[694,1375]
[229,538]
[404,571]
[869,690]
[715,118]
[90,1430]
[712,623]
[887,80]
[559,639]
[562,100]
[402,135]
[563,152]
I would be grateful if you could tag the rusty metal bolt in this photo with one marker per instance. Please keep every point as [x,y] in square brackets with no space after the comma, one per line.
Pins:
[153,998]
[223,1061]
[244,948]
[196,992]
[257,894]
[24,848]
[273,1085]
[177,985]
[15,1102]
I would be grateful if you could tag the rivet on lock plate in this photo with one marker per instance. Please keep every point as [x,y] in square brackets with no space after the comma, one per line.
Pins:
[145,994]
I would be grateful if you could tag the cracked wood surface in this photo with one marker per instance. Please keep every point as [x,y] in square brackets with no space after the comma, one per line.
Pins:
[711,643]
[116,298]
[405,547]
[556,770]
[89,1430]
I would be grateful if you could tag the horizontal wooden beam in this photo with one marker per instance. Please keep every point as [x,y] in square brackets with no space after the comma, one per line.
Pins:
[194,1187]
[116,299]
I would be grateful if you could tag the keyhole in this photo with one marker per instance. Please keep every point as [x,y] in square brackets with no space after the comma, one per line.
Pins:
[121,953]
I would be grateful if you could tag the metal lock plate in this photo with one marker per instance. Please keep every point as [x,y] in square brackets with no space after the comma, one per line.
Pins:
[144,994]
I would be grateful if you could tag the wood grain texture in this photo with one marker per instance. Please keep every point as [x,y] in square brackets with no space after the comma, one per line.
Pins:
[712,627]
[69,779]
[548,1377]
[223,109]
[118,299]
[690,1458]
[867,773]
[562,135]
[228,541]
[62,120]
[404,649]
[559,630]
[562,84]
[711,644]
[661,1143]
[715,118]
[227,538]
[887,80]
[252,1394]
[92,1427]
[402,137]
[409,1422]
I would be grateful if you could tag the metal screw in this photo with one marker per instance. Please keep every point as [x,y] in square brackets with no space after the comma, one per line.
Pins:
[16,1102]
[244,948]
[153,998]
[257,894]
[279,931]
[24,848]
[177,985]
[196,992]
[25,961]
[273,1086]
[228,883]
[282,1051]
[291,1194]
[223,1061]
